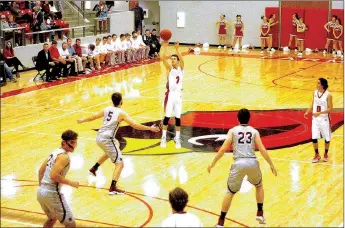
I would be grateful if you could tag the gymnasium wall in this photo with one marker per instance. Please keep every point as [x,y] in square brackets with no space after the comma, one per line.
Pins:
[201,17]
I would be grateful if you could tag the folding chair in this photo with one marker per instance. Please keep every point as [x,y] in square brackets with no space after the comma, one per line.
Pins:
[41,75]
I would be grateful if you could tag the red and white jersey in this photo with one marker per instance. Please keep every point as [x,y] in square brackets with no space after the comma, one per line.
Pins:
[337,30]
[320,103]
[175,78]
[238,25]
[264,27]
[331,25]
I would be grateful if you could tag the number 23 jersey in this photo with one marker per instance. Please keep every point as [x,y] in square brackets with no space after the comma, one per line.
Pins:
[243,144]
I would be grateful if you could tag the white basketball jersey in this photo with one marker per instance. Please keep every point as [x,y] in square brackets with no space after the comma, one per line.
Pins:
[243,144]
[47,182]
[182,220]
[320,103]
[110,123]
[175,78]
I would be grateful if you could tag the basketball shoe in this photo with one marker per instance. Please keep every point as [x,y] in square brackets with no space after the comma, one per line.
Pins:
[316,158]
[260,217]
[177,143]
[325,157]
[163,142]
[113,190]
[92,171]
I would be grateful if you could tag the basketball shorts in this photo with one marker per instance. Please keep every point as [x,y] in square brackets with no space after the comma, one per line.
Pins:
[239,169]
[173,105]
[111,148]
[321,128]
[55,206]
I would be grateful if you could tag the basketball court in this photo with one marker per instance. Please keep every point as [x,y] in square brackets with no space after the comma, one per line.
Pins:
[216,85]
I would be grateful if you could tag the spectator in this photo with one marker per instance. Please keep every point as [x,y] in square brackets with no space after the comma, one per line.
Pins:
[155,39]
[178,200]
[10,59]
[37,20]
[45,62]
[15,10]
[7,71]
[93,55]
[143,45]
[102,14]
[64,53]
[55,55]
[147,38]
[80,62]
[4,23]
[18,32]
[138,16]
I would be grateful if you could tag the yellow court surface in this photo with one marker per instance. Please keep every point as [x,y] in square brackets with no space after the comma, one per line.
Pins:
[216,85]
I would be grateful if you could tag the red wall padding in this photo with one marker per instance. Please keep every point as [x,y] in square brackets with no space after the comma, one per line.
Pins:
[316,35]
[287,25]
[268,12]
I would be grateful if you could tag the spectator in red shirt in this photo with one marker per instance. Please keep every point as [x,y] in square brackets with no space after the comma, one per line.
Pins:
[55,55]
[78,50]
[10,59]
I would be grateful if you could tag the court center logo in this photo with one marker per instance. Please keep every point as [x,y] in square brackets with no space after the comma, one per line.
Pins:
[205,131]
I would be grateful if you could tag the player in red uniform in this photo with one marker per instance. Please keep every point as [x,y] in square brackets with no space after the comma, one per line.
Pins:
[223,26]
[273,28]
[238,31]
[301,27]
[293,32]
[338,36]
[264,30]
[329,28]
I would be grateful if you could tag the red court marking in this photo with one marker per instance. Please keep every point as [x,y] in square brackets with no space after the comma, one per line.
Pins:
[129,194]
[85,220]
[250,83]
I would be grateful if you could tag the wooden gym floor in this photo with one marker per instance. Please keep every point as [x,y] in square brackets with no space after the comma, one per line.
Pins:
[216,86]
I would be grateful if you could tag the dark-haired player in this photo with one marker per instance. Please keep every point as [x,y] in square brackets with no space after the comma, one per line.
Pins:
[51,176]
[243,138]
[112,118]
[321,124]
[178,199]
[173,96]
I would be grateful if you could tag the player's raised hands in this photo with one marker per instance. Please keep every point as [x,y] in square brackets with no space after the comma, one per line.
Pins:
[176,45]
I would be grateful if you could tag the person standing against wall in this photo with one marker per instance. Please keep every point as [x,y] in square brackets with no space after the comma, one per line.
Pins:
[222,25]
[138,16]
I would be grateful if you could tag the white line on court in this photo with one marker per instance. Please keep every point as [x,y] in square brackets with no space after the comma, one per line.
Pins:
[23,223]
[66,114]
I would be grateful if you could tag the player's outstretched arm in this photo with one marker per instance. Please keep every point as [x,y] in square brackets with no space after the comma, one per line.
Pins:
[309,109]
[226,145]
[165,56]
[91,118]
[41,171]
[264,153]
[125,117]
[179,55]
[60,163]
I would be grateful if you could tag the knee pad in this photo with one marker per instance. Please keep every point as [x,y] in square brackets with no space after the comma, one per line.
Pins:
[166,121]
[178,122]
[327,141]
[314,140]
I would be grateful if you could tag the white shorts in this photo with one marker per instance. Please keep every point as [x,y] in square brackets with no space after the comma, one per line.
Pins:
[173,104]
[321,128]
[55,205]
[111,148]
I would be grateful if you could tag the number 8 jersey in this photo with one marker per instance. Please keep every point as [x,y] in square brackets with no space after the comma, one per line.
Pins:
[243,143]
[320,103]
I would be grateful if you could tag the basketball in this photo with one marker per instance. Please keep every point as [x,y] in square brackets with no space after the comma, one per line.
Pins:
[166,34]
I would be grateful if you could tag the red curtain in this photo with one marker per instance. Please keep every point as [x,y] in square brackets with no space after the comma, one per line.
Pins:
[315,19]
[268,12]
